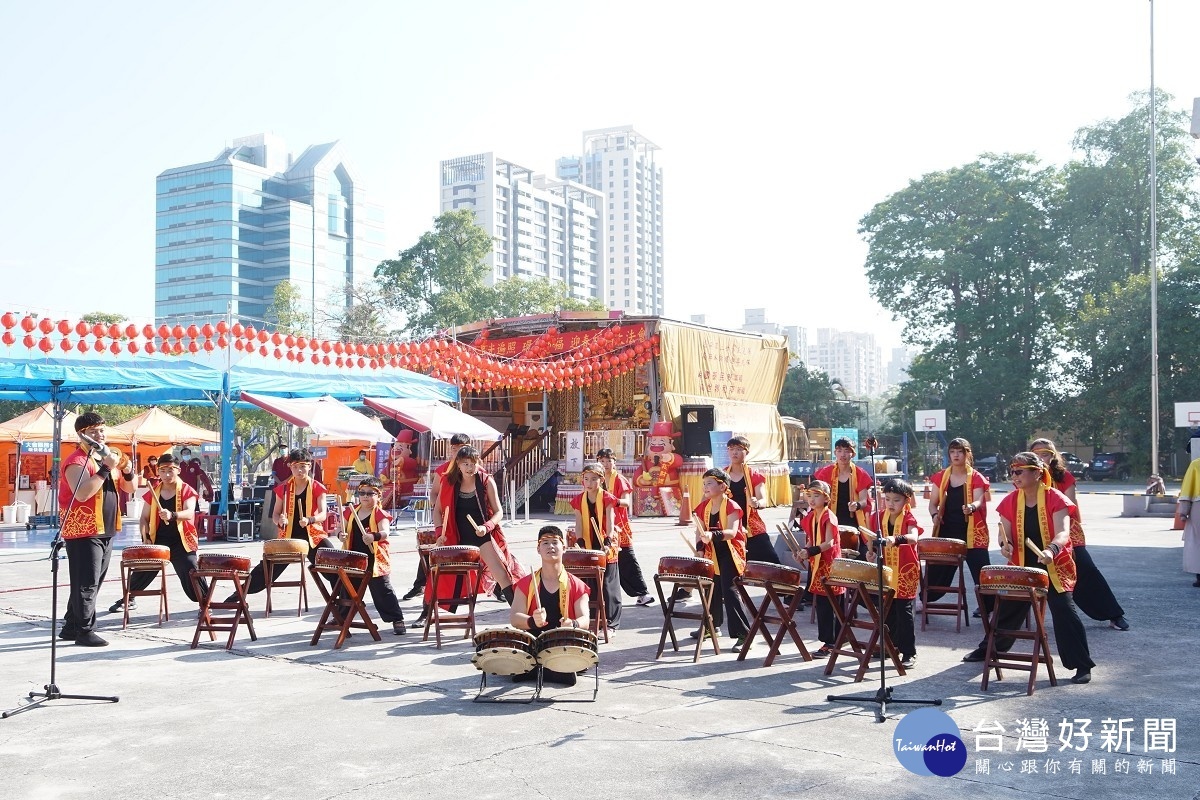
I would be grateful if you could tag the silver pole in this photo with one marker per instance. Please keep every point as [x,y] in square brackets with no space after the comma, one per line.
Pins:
[1153,258]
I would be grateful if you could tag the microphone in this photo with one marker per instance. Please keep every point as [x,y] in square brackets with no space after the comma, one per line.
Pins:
[102,449]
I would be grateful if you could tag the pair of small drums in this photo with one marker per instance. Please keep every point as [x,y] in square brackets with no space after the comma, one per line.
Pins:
[508,651]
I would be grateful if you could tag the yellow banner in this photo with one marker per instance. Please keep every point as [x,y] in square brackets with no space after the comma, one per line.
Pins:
[740,375]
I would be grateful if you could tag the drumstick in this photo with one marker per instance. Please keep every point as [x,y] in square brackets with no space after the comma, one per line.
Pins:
[1034,549]
[683,536]
[445,519]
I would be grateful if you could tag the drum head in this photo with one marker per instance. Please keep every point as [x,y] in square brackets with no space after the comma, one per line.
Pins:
[503,661]
[567,658]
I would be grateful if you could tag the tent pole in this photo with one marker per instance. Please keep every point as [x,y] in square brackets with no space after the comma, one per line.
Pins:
[226,471]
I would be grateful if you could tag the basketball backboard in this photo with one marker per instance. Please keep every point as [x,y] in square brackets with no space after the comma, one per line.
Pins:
[930,420]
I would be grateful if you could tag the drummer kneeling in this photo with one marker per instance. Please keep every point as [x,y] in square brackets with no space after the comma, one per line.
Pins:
[560,600]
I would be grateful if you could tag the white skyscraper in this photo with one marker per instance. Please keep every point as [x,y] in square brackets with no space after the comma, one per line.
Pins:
[541,228]
[619,163]
[849,357]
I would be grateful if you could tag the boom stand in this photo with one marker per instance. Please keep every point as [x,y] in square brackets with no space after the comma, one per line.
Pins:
[883,695]
[52,691]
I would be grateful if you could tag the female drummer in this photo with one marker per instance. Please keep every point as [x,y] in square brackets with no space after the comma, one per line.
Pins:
[824,545]
[898,538]
[595,514]
[1092,593]
[958,505]
[723,541]
[748,489]
[616,484]
[471,514]
[560,600]
[1040,514]
[367,528]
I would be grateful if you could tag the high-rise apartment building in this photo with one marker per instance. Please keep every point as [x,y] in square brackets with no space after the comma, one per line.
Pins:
[231,229]
[897,371]
[849,357]
[540,228]
[797,337]
[619,163]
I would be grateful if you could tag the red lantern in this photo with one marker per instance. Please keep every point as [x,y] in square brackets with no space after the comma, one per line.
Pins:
[65,345]
[290,355]
[314,344]
[147,331]
[278,354]
[44,345]
[130,331]
[114,331]
[115,348]
[45,325]
[150,348]
[299,342]
[222,342]
[81,328]
[372,351]
[339,348]
[237,345]
[163,331]
[276,338]
[208,345]
[207,331]
[27,340]
[360,349]
[362,362]
[63,326]
[237,330]
[314,358]
[9,321]
[193,347]
[326,347]
[263,337]
[222,326]
[325,360]
[132,347]
[262,351]
[27,324]
[249,332]
[82,346]
[9,339]
[177,331]
[338,362]
[391,348]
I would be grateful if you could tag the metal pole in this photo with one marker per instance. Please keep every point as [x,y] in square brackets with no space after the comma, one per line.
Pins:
[1153,258]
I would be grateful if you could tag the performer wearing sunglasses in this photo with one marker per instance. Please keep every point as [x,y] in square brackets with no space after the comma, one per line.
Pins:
[367,527]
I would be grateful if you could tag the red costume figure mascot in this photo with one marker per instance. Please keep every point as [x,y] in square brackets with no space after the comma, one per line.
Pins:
[402,470]
[658,476]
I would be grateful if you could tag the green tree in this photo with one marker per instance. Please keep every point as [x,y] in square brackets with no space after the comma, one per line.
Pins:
[104,318]
[809,395]
[518,297]
[440,281]
[363,316]
[969,260]
[286,313]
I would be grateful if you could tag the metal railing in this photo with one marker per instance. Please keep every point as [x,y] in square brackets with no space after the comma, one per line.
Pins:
[626,444]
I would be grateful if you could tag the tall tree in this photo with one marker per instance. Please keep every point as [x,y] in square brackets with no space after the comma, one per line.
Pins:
[809,395]
[968,259]
[103,317]
[286,313]
[363,315]
[440,281]
[518,297]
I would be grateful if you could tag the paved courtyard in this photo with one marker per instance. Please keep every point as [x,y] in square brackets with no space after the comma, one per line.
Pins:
[277,718]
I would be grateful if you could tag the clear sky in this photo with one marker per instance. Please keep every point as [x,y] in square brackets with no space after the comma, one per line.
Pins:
[780,124]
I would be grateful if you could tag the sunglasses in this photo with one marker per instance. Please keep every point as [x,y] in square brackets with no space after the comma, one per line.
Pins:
[367,494]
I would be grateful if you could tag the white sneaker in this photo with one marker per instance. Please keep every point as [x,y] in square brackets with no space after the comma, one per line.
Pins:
[918,606]
[645,600]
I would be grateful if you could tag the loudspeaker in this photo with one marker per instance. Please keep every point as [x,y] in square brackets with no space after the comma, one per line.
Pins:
[697,423]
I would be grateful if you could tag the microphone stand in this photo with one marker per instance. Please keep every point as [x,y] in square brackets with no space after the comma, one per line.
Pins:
[51,690]
[883,695]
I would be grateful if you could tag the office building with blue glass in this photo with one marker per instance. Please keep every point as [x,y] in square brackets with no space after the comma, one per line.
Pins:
[231,229]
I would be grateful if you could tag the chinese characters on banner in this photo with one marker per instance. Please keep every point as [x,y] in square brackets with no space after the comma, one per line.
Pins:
[574,453]
[565,342]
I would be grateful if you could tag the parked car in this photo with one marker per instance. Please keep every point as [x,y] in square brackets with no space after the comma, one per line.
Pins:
[994,468]
[1110,465]
[1076,467]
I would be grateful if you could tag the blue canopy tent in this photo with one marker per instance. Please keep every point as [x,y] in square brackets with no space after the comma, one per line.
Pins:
[201,378]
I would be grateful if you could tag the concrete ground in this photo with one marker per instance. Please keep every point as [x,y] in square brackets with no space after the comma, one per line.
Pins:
[277,718]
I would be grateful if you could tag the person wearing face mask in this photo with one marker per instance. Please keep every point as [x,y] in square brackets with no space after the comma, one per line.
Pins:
[191,473]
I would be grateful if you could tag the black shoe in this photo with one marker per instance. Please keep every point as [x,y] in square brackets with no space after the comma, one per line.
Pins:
[1197,581]
[1120,623]
[977,615]
[419,621]
[413,592]
[68,634]
[696,635]
[824,652]
[116,607]
[681,594]
[496,593]
[89,639]
[1082,676]
[233,598]
[398,628]
[975,656]
[908,662]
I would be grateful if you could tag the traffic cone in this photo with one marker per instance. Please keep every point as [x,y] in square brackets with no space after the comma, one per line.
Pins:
[685,510]
[927,492]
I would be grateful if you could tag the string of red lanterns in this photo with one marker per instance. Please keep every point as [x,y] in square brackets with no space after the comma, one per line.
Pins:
[599,356]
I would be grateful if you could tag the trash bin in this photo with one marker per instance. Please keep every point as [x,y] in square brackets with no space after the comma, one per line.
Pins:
[20,513]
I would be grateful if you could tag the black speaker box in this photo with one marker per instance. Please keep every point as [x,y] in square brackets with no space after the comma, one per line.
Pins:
[697,423]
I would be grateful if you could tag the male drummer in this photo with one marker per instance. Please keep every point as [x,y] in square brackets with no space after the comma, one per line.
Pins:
[300,511]
[560,600]
[367,532]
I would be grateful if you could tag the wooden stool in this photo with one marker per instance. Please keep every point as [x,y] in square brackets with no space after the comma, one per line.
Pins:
[949,553]
[774,579]
[861,578]
[588,566]
[145,558]
[283,552]
[1015,584]
[343,602]
[217,568]
[456,563]
[685,572]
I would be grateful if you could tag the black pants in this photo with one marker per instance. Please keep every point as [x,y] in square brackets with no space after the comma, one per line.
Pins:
[1070,637]
[1092,593]
[258,580]
[422,576]
[612,593]
[901,627]
[942,575]
[828,628]
[87,564]
[185,564]
[632,581]
[759,548]
[383,597]
[726,603]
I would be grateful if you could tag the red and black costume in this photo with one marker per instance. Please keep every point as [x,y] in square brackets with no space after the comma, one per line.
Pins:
[819,527]
[297,505]
[87,528]
[758,543]
[177,534]
[906,579]
[729,561]
[633,583]
[1092,593]
[592,536]
[379,562]
[954,524]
